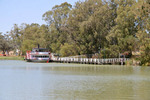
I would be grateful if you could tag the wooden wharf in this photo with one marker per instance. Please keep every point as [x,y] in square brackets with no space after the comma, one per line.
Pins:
[90,60]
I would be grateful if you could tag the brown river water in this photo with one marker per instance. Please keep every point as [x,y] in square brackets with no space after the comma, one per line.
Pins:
[20,80]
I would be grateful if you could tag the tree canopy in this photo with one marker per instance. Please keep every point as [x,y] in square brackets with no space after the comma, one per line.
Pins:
[90,27]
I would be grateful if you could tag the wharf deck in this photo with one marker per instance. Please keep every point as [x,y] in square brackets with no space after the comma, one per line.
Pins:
[91,60]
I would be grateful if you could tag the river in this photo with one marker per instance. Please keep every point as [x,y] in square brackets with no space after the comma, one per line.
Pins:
[20,80]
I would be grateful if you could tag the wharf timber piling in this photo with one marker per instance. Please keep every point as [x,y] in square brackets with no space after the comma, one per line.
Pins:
[90,60]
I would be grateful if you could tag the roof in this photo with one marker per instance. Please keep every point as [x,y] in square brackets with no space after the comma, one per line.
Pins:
[40,50]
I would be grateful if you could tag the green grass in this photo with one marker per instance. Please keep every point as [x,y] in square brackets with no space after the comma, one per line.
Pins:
[11,58]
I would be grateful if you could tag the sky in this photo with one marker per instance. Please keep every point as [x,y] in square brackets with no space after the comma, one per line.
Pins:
[25,11]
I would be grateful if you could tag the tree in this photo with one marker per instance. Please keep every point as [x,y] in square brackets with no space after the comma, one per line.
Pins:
[17,34]
[31,37]
[26,37]
[142,12]
[5,43]
[57,19]
[89,24]
[123,33]
[68,50]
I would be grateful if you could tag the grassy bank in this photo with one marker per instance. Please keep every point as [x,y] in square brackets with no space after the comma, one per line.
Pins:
[11,58]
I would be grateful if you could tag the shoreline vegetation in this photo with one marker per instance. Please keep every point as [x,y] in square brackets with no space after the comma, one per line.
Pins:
[11,58]
[101,28]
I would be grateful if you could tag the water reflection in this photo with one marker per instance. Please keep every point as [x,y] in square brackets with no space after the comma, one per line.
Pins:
[20,80]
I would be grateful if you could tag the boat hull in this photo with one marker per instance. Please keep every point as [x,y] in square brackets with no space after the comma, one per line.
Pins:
[36,60]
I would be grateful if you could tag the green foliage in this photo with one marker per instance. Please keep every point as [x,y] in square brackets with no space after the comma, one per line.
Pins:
[28,45]
[123,33]
[68,50]
[143,25]
[26,37]
[145,52]
[113,51]
[91,21]
[5,43]
[90,27]
[57,19]
[110,52]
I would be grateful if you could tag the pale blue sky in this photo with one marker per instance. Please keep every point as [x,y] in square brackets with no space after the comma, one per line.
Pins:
[25,11]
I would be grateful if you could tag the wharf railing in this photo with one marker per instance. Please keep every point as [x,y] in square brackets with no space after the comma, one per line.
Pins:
[90,60]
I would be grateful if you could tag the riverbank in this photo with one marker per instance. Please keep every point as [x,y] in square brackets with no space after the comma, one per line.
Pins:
[11,58]
[130,62]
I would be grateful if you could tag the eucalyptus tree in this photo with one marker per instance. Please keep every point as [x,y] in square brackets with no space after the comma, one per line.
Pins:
[2,43]
[57,22]
[5,43]
[142,12]
[31,37]
[28,36]
[17,35]
[9,44]
[123,34]
[43,36]
[89,23]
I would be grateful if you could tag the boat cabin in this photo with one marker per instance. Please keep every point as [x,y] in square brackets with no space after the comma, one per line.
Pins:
[40,50]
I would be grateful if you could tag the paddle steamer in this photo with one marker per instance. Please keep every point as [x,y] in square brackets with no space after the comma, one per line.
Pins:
[38,55]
